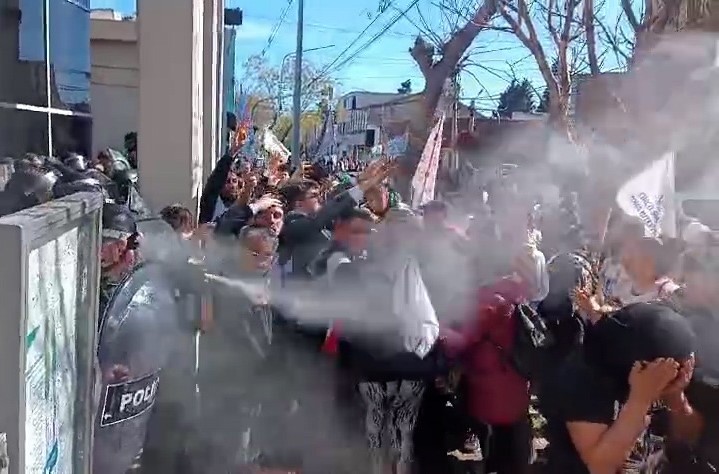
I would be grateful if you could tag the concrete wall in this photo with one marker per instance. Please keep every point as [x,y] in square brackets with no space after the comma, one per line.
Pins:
[48,325]
[212,30]
[115,82]
[171,129]
[161,75]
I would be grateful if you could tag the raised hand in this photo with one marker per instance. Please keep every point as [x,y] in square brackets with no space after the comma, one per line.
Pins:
[238,140]
[375,173]
[647,381]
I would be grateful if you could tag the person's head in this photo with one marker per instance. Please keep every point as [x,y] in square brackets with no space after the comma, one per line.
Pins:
[105,162]
[272,219]
[29,187]
[701,280]
[232,187]
[75,161]
[399,229]
[352,229]
[66,189]
[305,196]
[377,200]
[644,260]
[119,241]
[258,249]
[623,231]
[435,214]
[567,273]
[131,147]
[639,332]
[34,160]
[180,219]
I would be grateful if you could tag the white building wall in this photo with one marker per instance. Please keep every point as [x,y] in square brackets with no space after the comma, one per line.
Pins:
[115,82]
[149,76]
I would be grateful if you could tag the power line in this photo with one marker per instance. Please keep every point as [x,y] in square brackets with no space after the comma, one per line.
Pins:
[354,41]
[276,28]
[377,36]
[320,26]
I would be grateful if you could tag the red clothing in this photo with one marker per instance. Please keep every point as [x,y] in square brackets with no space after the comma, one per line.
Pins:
[497,394]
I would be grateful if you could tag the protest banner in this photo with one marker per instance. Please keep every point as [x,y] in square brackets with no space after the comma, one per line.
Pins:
[649,196]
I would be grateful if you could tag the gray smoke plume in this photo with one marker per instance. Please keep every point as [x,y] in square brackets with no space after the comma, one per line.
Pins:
[669,101]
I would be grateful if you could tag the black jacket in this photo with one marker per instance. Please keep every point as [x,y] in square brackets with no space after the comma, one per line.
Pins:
[305,236]
[213,187]
[254,367]
[233,220]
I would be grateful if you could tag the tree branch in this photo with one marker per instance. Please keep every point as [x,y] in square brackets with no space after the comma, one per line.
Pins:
[631,17]
[612,42]
[588,19]
[455,47]
[529,40]
[550,21]
[422,53]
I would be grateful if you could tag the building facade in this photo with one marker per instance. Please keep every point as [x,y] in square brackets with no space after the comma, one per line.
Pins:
[115,87]
[366,120]
[116,78]
[45,80]
[229,83]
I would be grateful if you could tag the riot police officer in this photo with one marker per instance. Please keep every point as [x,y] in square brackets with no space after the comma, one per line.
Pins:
[138,317]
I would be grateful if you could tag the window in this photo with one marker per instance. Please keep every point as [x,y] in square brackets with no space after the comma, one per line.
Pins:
[22,131]
[69,31]
[22,54]
[71,134]
[354,103]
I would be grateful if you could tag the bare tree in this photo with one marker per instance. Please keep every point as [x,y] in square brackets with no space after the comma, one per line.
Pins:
[565,25]
[438,54]
[271,87]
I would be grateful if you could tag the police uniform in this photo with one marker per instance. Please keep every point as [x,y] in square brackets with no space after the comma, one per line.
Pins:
[136,330]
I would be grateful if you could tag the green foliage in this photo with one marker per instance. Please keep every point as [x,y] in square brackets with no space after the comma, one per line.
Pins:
[273,85]
[309,121]
[519,96]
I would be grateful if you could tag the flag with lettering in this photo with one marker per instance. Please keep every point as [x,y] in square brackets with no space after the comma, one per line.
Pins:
[649,196]
[424,180]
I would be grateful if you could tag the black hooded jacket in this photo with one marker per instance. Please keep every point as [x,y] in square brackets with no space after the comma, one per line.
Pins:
[213,187]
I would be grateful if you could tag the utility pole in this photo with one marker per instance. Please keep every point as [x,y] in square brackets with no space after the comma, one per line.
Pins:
[455,117]
[296,99]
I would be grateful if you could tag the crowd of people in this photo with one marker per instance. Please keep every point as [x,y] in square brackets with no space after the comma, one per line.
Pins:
[344,331]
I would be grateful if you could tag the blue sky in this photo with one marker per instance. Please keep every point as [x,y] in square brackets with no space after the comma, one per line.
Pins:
[383,65]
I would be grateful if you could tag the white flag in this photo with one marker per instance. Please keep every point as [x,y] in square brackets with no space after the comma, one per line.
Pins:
[426,174]
[650,196]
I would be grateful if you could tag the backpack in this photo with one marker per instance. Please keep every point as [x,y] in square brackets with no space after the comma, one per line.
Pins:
[532,338]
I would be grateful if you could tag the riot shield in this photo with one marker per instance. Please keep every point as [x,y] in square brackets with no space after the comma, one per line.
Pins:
[137,333]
